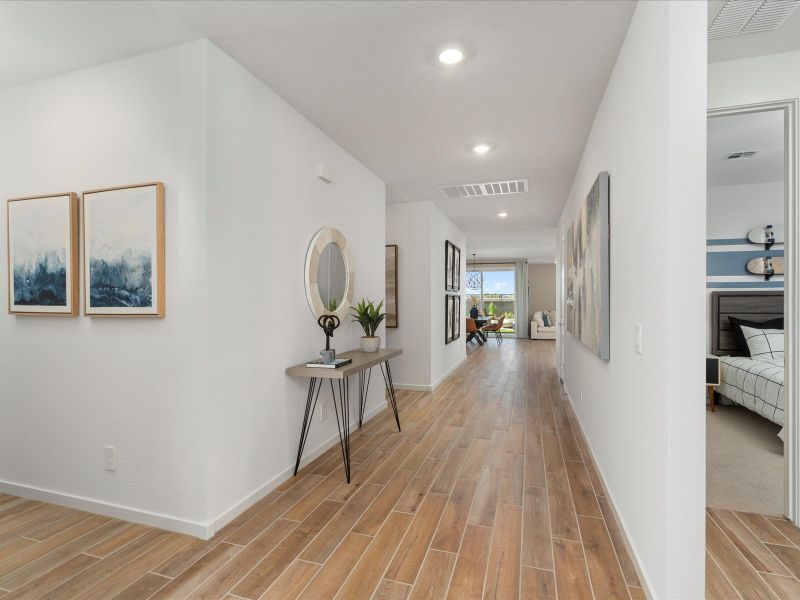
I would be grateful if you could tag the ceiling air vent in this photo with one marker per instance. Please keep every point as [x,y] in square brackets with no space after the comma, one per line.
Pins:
[750,16]
[740,155]
[493,188]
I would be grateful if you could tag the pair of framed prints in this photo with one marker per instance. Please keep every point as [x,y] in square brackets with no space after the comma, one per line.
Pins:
[452,267]
[123,253]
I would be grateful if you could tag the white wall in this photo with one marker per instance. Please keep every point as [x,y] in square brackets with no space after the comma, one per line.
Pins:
[265,204]
[542,285]
[757,79]
[640,413]
[203,417]
[420,230]
[733,210]
[71,385]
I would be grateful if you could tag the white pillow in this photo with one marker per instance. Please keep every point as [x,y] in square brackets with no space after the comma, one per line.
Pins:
[764,343]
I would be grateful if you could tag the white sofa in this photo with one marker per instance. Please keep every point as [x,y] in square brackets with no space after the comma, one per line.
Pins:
[538,329]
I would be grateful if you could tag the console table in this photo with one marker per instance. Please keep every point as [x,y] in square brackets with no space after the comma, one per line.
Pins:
[362,363]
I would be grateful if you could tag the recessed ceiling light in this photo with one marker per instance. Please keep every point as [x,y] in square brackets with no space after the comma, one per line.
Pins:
[481,148]
[451,56]
[502,215]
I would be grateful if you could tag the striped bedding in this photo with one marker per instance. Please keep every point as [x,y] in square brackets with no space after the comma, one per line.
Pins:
[756,384]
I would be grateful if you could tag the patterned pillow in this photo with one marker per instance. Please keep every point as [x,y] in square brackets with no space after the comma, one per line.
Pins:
[764,343]
[546,319]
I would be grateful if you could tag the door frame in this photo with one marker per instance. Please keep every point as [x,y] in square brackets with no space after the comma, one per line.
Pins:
[791,293]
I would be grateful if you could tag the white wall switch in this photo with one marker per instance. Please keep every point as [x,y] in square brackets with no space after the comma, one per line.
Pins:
[637,338]
[110,458]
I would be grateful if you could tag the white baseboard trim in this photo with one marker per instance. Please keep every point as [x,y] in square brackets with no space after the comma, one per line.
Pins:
[415,387]
[308,456]
[200,529]
[637,561]
[108,509]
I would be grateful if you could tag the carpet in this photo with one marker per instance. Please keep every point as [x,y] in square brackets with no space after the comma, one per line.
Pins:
[744,461]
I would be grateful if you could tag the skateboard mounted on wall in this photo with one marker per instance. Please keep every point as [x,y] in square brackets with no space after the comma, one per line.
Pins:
[768,235]
[767,266]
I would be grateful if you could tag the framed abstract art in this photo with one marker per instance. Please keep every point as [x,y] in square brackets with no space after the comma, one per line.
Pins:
[123,244]
[391,286]
[43,255]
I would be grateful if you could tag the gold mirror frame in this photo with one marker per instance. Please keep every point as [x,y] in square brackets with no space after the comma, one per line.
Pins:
[321,239]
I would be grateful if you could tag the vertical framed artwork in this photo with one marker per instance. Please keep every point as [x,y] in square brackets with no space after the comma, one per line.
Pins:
[123,245]
[587,277]
[391,285]
[449,254]
[456,268]
[449,308]
[456,317]
[42,234]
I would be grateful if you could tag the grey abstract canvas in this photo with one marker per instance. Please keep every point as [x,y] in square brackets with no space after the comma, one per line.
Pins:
[123,228]
[587,271]
[42,239]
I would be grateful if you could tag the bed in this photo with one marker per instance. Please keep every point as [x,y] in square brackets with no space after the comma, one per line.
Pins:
[756,384]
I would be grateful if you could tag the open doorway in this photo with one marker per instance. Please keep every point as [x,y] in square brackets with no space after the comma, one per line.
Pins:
[750,424]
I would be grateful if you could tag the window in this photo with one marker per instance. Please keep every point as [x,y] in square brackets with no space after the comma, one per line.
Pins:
[494,293]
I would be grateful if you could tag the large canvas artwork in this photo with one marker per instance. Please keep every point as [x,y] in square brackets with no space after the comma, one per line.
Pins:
[124,251]
[43,255]
[587,271]
[391,285]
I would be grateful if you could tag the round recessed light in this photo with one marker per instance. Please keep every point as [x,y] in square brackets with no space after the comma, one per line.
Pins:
[502,215]
[451,56]
[481,148]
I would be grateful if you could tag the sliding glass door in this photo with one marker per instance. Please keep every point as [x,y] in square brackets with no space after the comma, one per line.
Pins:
[491,289]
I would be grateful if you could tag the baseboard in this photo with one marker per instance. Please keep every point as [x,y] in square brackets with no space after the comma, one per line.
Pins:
[636,559]
[308,456]
[414,387]
[203,530]
[108,509]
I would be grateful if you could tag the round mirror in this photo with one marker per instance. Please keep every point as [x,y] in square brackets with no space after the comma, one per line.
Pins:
[329,277]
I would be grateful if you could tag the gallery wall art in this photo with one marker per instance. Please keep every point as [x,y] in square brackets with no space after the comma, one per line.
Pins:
[123,230]
[449,311]
[391,286]
[587,271]
[43,255]
[452,267]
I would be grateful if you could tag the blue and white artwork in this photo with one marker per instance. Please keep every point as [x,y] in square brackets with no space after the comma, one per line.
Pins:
[123,234]
[42,262]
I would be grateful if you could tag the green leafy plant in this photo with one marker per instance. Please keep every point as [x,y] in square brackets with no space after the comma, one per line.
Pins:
[333,304]
[368,316]
[491,308]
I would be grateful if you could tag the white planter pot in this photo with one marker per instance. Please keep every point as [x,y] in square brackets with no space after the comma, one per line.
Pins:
[370,344]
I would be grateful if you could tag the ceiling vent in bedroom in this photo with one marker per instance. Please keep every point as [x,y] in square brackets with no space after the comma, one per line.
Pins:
[493,188]
[740,155]
[750,16]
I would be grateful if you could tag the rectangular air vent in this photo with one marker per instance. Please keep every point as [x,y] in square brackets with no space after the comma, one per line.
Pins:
[750,16]
[740,155]
[493,188]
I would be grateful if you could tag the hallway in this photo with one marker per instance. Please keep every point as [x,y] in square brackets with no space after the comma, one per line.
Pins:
[488,492]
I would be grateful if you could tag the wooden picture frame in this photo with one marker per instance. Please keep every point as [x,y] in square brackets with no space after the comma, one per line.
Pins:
[392,306]
[42,233]
[449,305]
[456,268]
[123,251]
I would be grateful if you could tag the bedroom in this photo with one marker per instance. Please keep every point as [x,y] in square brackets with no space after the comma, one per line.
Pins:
[745,282]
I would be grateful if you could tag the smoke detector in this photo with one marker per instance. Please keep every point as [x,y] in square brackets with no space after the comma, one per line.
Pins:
[750,16]
[492,188]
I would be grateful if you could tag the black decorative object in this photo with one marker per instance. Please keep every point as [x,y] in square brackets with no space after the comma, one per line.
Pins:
[328,323]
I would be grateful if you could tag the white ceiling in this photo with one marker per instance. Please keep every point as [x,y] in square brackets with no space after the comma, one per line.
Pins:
[785,39]
[365,73]
[756,131]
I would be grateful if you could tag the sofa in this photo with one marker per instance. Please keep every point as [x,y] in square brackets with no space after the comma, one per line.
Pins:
[540,331]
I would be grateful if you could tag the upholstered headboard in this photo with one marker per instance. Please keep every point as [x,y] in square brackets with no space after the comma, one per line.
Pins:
[752,305]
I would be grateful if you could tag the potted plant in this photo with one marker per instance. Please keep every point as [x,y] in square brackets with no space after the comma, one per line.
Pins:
[370,317]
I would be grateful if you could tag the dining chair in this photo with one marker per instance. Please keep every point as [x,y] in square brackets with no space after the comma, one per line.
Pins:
[495,329]
[472,331]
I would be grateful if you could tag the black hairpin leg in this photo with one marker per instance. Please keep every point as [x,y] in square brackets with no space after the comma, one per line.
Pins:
[387,377]
[311,404]
[343,423]
[364,378]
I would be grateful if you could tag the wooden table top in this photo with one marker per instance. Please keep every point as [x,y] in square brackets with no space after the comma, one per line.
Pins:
[361,361]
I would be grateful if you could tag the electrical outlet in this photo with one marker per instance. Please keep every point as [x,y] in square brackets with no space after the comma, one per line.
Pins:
[110,458]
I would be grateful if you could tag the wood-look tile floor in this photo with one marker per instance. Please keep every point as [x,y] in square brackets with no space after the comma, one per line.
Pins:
[488,492]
